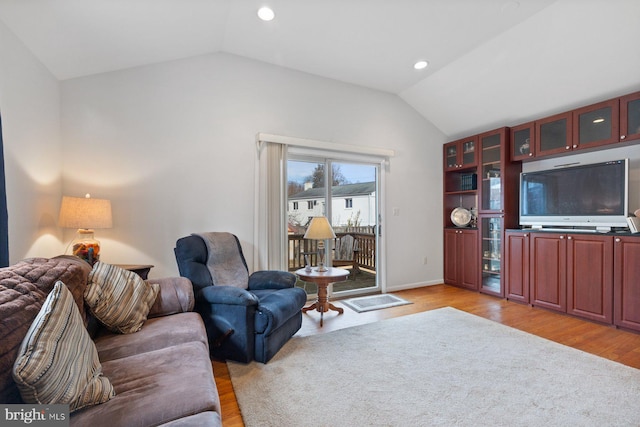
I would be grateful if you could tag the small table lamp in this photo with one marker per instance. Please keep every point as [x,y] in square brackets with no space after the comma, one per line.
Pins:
[85,214]
[320,230]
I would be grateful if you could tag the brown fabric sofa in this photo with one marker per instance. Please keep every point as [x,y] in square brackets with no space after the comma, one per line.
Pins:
[161,374]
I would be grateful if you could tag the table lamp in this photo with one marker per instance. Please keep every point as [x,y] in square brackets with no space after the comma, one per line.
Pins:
[85,214]
[320,230]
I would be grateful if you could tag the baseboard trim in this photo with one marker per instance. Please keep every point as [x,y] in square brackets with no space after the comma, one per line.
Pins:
[413,285]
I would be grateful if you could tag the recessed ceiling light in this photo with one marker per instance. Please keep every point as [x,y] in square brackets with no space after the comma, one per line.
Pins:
[266,14]
[420,65]
[598,120]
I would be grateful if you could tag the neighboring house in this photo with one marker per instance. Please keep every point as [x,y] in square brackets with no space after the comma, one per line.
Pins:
[352,204]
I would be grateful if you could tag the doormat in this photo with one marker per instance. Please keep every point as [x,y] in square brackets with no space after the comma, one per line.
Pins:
[374,302]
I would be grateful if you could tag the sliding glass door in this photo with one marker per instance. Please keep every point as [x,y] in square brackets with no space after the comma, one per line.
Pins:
[347,193]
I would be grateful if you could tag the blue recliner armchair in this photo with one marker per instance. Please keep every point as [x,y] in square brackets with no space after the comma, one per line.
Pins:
[247,316]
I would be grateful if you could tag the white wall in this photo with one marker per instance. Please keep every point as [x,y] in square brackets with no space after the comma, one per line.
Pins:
[30,108]
[561,58]
[172,145]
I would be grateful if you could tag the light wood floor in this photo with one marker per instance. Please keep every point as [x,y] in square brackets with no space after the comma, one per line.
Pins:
[604,341]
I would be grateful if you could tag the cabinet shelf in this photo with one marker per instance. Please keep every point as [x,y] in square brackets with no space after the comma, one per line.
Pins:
[496,272]
[461,192]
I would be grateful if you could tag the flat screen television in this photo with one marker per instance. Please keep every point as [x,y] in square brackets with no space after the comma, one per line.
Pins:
[591,196]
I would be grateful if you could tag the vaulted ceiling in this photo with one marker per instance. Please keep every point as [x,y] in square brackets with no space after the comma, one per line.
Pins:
[491,62]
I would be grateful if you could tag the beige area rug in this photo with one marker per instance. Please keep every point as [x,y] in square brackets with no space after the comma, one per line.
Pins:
[438,368]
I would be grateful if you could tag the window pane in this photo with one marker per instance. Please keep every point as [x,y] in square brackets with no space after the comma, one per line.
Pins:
[351,210]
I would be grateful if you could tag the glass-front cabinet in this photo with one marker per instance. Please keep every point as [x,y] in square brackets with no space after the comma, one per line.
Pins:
[596,125]
[491,232]
[498,205]
[460,154]
[630,117]
[491,170]
[522,142]
[554,134]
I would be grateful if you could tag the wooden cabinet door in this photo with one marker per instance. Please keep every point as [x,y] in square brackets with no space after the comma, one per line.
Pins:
[630,117]
[547,277]
[460,257]
[461,154]
[590,277]
[523,142]
[491,235]
[596,125]
[451,156]
[451,259]
[553,135]
[516,266]
[626,282]
[491,179]
[469,256]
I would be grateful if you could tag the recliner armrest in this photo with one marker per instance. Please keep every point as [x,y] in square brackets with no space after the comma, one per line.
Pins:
[229,295]
[175,296]
[271,279]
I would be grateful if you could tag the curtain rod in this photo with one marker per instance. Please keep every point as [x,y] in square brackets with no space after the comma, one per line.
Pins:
[325,145]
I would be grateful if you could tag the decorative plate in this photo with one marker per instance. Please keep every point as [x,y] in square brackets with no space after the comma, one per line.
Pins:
[461,217]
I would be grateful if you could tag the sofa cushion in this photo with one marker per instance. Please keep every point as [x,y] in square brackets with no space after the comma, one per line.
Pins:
[175,296]
[156,333]
[57,361]
[155,387]
[119,298]
[23,288]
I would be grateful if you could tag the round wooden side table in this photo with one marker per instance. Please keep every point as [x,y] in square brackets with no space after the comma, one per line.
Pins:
[323,279]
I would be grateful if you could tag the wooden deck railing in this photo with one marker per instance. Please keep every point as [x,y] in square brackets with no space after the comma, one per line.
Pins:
[298,247]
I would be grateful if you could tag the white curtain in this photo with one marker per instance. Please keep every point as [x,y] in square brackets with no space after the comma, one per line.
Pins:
[270,225]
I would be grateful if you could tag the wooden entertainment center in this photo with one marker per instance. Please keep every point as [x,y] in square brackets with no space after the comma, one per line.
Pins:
[589,275]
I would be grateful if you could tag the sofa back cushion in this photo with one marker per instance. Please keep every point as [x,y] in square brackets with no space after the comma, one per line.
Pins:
[23,288]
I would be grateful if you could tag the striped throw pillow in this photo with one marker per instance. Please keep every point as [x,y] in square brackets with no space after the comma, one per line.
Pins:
[57,361]
[119,298]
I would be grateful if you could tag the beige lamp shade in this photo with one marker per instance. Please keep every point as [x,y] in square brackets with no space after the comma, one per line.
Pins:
[319,229]
[85,213]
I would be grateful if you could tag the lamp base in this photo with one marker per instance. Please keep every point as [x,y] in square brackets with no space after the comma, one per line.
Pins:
[86,247]
[321,268]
